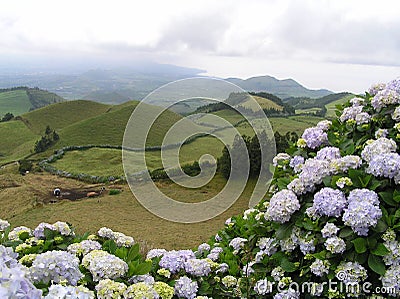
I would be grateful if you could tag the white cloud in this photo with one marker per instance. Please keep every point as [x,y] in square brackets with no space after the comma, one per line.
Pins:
[244,36]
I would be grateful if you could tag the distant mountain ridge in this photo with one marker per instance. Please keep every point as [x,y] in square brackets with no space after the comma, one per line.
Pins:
[282,88]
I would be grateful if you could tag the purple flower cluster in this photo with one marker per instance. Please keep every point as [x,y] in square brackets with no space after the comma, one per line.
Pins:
[329,202]
[350,113]
[297,163]
[174,260]
[385,165]
[378,147]
[328,153]
[55,266]
[282,205]
[388,96]
[197,267]
[13,280]
[362,211]
[314,137]
[186,288]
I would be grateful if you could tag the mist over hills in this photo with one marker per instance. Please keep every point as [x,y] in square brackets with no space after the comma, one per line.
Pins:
[117,84]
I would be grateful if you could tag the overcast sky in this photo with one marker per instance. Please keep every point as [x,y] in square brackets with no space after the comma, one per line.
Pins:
[336,44]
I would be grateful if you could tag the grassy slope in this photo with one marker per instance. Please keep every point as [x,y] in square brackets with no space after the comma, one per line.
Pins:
[60,115]
[16,102]
[263,102]
[16,140]
[108,128]
[331,107]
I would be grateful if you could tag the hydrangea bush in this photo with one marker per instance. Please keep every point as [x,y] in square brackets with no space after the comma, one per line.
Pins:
[328,228]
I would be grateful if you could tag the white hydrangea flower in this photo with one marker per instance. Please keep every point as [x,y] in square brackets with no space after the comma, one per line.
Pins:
[104,265]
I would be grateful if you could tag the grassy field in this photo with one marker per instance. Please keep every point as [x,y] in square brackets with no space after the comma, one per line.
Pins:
[61,115]
[331,107]
[293,123]
[16,141]
[15,102]
[20,197]
[262,102]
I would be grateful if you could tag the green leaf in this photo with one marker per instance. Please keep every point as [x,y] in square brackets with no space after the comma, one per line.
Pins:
[380,250]
[376,264]
[284,231]
[387,197]
[143,268]
[360,245]
[133,252]
[380,226]
[345,232]
[287,265]
[23,236]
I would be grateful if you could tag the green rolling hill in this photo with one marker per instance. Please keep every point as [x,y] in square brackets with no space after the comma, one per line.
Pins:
[19,100]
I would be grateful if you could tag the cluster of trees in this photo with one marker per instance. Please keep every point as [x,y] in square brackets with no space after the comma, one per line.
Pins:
[253,147]
[7,117]
[49,138]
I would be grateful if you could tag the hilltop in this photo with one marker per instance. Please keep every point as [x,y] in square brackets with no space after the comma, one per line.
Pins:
[282,88]
[18,100]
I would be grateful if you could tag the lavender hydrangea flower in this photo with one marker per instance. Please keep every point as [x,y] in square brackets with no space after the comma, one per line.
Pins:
[357,102]
[267,245]
[329,230]
[329,202]
[57,291]
[282,205]
[319,267]
[324,125]
[314,137]
[237,244]
[350,113]
[296,163]
[146,278]
[335,245]
[385,165]
[362,211]
[391,279]
[362,118]
[186,288]
[328,153]
[174,260]
[197,267]
[55,266]
[384,98]
[378,147]
[155,253]
[38,232]
[203,248]
[83,247]
[13,277]
[375,88]
[214,253]
[313,172]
